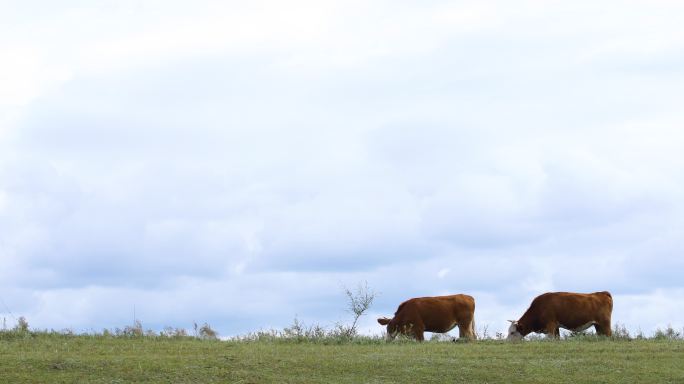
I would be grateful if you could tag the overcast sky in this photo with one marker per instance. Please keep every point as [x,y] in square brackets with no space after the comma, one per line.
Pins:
[238,163]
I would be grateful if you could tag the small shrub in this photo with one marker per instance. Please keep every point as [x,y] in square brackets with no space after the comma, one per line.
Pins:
[668,333]
[135,330]
[261,335]
[22,325]
[207,333]
[358,303]
[294,331]
[342,331]
[640,334]
[173,332]
[204,332]
[482,333]
[300,331]
[620,332]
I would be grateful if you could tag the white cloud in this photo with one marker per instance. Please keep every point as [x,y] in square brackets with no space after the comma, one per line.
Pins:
[270,151]
[650,310]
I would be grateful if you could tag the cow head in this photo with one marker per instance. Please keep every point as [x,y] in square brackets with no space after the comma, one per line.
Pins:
[514,331]
[392,328]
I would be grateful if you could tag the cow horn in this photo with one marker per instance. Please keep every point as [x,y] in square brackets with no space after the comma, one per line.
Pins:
[512,321]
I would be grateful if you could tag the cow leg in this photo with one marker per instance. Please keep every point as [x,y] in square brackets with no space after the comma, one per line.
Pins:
[470,330]
[418,331]
[466,331]
[552,331]
[603,328]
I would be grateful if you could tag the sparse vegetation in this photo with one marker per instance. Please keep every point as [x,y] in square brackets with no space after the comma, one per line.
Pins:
[313,354]
[52,357]
[298,332]
[668,333]
[173,332]
[22,325]
[135,330]
[482,333]
[620,332]
[207,333]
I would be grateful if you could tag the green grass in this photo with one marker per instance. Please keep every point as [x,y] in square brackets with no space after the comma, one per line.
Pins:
[54,358]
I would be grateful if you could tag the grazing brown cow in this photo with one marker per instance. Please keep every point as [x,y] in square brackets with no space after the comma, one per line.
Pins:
[432,314]
[572,311]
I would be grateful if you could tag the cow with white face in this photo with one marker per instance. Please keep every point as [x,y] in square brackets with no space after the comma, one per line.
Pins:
[573,311]
[432,314]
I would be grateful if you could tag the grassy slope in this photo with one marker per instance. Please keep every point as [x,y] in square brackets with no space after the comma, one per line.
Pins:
[55,359]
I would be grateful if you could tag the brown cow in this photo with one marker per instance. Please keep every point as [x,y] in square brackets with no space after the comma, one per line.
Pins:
[572,311]
[432,314]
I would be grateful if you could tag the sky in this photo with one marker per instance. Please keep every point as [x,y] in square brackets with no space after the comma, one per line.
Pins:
[241,163]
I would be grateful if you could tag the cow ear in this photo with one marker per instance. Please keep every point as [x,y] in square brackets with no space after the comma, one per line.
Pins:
[383,321]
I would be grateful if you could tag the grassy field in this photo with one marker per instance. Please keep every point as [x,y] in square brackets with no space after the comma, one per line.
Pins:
[53,358]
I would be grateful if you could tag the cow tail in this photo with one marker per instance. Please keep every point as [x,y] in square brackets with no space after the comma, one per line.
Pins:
[472,328]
